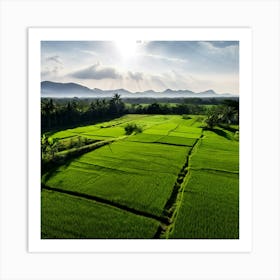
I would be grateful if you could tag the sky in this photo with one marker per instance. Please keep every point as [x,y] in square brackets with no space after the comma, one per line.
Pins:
[143,65]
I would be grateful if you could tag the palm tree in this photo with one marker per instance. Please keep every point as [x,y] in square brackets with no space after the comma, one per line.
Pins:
[116,105]
[48,109]
[116,98]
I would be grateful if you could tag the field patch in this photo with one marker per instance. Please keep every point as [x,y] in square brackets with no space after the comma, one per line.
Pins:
[144,137]
[209,207]
[140,175]
[164,139]
[175,140]
[65,216]
[216,152]
[174,171]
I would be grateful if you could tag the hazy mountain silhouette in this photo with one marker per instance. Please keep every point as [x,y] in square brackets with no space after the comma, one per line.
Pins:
[54,89]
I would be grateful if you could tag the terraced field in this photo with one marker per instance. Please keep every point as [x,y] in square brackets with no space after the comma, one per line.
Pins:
[161,183]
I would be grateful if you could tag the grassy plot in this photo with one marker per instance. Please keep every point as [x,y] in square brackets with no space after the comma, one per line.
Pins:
[175,140]
[183,128]
[136,175]
[65,216]
[99,131]
[185,134]
[164,139]
[216,152]
[169,130]
[151,124]
[139,175]
[160,124]
[210,204]
[209,207]
[122,120]
[144,137]
[108,132]
[75,131]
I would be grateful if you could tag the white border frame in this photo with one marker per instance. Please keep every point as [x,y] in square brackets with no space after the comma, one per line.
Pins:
[263,16]
[244,243]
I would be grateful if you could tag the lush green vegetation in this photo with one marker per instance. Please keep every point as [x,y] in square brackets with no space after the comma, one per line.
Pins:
[155,174]
[217,151]
[64,216]
[210,202]
[57,114]
[132,128]
[139,175]
[209,208]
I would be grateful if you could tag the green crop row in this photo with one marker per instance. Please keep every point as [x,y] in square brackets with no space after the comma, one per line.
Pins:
[209,208]
[140,175]
[64,216]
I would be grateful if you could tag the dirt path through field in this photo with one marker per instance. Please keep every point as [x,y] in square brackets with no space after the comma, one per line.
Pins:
[172,205]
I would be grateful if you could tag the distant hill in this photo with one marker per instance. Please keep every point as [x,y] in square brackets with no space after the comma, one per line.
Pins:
[48,87]
[53,89]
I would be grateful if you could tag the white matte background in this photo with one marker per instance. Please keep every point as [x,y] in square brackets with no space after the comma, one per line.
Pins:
[264,260]
[36,244]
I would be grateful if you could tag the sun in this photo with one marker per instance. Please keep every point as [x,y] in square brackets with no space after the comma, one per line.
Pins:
[126,48]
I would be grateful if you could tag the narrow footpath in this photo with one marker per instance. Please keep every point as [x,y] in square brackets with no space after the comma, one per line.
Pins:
[172,205]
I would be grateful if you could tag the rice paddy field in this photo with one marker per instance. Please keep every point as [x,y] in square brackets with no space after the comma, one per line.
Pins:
[172,180]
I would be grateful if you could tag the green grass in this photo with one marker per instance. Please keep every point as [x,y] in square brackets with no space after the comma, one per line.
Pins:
[139,175]
[153,124]
[139,172]
[209,207]
[182,128]
[216,152]
[112,128]
[164,139]
[175,140]
[64,216]
[144,137]
[210,202]
[108,132]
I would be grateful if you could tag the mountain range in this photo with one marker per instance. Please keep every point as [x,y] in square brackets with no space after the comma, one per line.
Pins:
[53,89]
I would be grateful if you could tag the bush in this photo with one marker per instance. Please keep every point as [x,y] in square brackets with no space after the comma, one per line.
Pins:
[49,162]
[131,127]
[186,117]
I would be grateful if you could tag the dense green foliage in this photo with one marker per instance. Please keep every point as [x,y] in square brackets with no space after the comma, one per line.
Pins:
[132,127]
[63,113]
[228,113]
[75,111]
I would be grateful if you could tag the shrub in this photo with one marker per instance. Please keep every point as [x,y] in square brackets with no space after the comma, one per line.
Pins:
[131,127]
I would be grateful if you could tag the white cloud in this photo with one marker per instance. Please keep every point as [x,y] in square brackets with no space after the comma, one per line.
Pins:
[196,65]
[55,59]
[164,58]
[97,72]
[51,72]
[90,52]
[137,76]
[228,51]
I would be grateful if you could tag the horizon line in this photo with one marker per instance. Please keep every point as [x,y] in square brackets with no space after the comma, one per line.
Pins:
[234,94]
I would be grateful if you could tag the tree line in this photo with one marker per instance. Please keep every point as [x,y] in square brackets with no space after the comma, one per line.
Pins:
[56,114]
[225,114]
[59,113]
